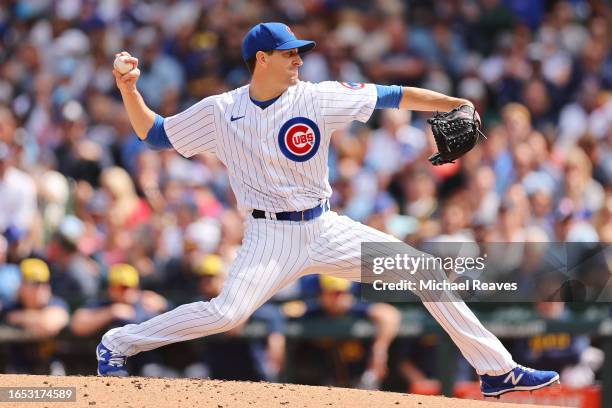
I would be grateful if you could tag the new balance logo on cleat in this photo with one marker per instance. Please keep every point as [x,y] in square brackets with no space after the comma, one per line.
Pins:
[511,376]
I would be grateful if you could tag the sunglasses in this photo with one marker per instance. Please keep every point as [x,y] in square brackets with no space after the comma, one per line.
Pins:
[122,287]
[35,284]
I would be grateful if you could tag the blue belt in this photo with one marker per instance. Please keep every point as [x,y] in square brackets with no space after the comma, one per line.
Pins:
[305,215]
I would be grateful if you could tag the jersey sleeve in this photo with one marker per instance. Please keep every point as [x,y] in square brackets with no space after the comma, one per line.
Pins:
[343,102]
[194,130]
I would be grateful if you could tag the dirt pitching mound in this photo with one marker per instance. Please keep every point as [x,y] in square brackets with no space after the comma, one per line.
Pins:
[138,392]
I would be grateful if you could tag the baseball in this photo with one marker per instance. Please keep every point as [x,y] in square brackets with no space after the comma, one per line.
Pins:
[122,65]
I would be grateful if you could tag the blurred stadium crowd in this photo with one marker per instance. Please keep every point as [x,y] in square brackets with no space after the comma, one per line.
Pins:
[126,232]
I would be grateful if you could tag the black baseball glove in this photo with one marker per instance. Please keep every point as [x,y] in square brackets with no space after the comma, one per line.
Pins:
[456,133]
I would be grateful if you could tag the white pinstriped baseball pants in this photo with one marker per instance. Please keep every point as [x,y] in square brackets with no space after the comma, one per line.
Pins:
[275,254]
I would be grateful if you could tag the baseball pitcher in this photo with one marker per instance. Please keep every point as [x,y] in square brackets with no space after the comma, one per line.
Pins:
[273,136]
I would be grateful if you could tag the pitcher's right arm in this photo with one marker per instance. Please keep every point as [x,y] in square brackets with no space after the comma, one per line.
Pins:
[141,116]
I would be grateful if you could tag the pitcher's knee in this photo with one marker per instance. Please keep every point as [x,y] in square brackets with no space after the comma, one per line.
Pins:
[227,316]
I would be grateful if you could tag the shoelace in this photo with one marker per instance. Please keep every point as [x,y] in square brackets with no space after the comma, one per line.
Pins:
[116,360]
[526,368]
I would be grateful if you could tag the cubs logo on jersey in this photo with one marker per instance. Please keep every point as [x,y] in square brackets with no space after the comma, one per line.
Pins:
[299,139]
[352,85]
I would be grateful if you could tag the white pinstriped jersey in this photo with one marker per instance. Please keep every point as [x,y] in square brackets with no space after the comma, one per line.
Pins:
[276,157]
[277,161]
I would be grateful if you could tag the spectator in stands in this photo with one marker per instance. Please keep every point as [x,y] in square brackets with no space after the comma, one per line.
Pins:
[417,364]
[10,276]
[124,303]
[347,362]
[571,354]
[159,70]
[455,221]
[234,356]
[199,238]
[396,143]
[484,201]
[41,315]
[604,220]
[571,225]
[419,194]
[586,194]
[77,157]
[54,193]
[18,211]
[75,276]
[126,209]
[400,63]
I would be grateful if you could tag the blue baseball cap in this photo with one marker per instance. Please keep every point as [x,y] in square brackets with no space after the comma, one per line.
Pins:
[272,36]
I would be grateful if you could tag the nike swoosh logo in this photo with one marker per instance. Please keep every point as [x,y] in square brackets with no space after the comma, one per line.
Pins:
[236,118]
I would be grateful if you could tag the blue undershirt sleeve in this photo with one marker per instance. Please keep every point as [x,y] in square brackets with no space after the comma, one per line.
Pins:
[389,96]
[156,137]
